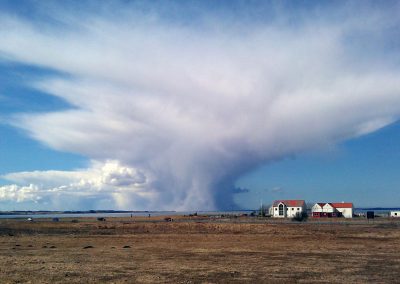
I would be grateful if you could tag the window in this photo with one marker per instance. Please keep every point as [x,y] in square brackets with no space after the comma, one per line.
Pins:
[395,214]
[298,208]
[276,209]
[280,209]
[292,208]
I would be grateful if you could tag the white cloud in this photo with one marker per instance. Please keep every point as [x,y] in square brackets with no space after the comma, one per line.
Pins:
[188,109]
[19,193]
[110,181]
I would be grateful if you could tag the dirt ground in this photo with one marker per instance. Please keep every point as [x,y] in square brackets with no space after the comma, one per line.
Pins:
[199,251]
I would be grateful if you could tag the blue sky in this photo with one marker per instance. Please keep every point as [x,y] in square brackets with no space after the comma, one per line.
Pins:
[164,105]
[19,152]
[363,170]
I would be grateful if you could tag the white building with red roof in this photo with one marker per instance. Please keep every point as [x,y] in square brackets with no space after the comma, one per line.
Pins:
[333,209]
[287,208]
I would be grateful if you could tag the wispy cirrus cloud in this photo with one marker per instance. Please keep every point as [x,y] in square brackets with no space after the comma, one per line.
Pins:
[192,107]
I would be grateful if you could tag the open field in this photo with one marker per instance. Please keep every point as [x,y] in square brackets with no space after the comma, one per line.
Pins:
[147,250]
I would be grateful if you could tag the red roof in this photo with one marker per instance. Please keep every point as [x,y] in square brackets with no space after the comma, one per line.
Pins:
[289,203]
[337,204]
[342,205]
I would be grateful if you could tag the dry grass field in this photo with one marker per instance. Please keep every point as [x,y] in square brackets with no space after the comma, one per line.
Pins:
[198,251]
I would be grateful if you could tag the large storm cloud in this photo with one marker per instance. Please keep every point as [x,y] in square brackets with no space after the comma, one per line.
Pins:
[181,109]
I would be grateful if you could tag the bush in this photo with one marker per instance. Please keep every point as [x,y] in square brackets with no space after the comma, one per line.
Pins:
[300,217]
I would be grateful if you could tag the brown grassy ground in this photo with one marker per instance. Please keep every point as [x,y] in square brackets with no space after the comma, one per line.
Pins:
[189,251]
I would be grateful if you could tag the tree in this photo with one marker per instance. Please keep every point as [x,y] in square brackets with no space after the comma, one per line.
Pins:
[300,217]
[263,211]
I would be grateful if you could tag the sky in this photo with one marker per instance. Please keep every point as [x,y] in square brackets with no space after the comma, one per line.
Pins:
[198,105]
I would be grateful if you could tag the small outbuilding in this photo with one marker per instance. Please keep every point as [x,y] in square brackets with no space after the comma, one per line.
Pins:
[287,208]
[395,214]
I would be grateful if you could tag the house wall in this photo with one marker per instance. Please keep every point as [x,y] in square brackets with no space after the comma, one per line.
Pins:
[346,212]
[271,211]
[275,211]
[316,208]
[293,210]
[289,213]
[328,208]
[395,214]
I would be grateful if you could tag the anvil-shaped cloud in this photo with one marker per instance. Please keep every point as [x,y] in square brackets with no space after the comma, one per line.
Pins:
[181,111]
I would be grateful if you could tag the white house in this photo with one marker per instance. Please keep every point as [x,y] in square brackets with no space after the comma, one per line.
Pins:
[395,214]
[346,208]
[336,209]
[287,208]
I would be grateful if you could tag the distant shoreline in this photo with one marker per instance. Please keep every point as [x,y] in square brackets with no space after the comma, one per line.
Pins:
[83,212]
[42,212]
